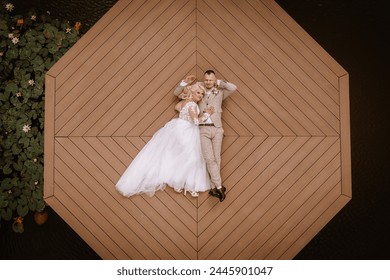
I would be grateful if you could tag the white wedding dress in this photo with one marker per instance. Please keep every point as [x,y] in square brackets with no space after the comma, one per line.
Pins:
[173,158]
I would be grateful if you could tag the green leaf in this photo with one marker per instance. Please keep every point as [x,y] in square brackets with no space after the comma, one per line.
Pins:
[11,88]
[22,200]
[3,202]
[6,184]
[40,205]
[22,210]
[18,166]
[25,141]
[44,52]
[32,205]
[16,149]
[25,53]
[12,53]
[6,214]
[6,169]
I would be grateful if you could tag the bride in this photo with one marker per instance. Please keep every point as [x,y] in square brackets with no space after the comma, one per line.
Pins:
[173,156]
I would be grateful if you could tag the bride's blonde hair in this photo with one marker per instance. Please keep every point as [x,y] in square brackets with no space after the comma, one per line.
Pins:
[189,90]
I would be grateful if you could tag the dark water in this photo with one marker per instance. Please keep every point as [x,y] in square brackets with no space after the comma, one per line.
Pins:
[85,11]
[352,32]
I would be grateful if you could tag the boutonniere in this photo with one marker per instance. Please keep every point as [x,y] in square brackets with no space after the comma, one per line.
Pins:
[214,91]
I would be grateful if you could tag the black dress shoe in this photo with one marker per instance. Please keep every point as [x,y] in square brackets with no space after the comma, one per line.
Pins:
[215,192]
[222,194]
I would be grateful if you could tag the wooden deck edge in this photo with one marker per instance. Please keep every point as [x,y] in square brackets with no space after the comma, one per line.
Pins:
[85,40]
[345,135]
[82,231]
[316,227]
[50,85]
[311,44]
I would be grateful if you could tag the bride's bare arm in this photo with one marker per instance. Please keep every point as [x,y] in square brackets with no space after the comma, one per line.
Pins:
[179,106]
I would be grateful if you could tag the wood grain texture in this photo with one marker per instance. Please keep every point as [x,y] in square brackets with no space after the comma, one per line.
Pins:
[286,151]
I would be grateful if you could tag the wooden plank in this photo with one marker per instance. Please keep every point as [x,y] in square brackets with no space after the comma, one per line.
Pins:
[128,146]
[115,73]
[256,115]
[266,52]
[233,106]
[82,230]
[272,81]
[282,196]
[72,56]
[183,222]
[113,107]
[128,21]
[240,154]
[274,247]
[155,93]
[249,116]
[278,72]
[298,31]
[226,143]
[160,80]
[260,155]
[286,151]
[164,110]
[93,151]
[295,49]
[89,194]
[345,137]
[277,171]
[132,216]
[119,152]
[115,240]
[162,114]
[105,63]
[316,222]
[270,94]
[207,239]
[235,123]
[49,151]
[252,92]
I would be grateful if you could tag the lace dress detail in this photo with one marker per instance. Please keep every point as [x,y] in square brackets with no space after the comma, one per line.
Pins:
[185,112]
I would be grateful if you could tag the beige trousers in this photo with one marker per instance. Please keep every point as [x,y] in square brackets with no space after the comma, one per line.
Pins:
[211,141]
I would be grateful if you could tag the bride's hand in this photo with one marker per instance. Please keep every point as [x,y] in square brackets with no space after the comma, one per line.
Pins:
[210,110]
[190,79]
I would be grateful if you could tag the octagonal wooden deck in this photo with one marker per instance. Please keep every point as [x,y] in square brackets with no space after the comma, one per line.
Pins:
[286,151]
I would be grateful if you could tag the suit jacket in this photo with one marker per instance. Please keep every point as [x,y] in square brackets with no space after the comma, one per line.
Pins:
[215,99]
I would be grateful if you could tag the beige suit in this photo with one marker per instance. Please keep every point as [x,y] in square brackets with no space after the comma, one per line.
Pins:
[211,136]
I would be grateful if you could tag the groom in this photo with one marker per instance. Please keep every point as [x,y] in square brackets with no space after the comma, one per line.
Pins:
[211,131]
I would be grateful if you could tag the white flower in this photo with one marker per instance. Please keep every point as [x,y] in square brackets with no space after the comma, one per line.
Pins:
[10,35]
[26,128]
[31,82]
[33,17]
[36,183]
[68,30]
[19,94]
[48,12]
[35,160]
[15,40]
[9,7]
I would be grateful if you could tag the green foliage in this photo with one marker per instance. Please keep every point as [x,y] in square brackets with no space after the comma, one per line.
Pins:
[29,46]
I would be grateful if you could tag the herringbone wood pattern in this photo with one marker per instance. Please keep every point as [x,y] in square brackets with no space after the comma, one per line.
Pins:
[285,159]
